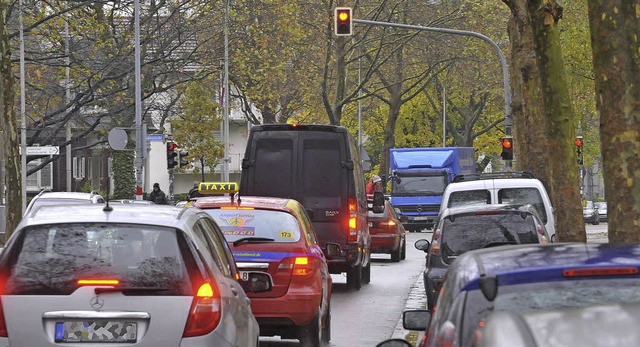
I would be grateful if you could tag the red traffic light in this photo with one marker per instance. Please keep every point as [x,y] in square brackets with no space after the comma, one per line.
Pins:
[342,21]
[579,141]
[171,146]
[506,143]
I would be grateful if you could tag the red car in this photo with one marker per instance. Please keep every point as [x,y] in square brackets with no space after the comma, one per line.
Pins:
[275,235]
[387,233]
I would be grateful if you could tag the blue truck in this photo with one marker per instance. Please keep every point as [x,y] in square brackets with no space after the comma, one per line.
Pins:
[418,178]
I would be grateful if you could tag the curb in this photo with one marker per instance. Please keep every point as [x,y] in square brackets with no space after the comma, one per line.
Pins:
[417,299]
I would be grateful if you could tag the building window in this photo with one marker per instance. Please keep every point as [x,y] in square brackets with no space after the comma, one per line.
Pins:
[41,179]
[78,168]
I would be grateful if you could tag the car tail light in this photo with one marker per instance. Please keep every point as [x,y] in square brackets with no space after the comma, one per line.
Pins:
[388,224]
[298,266]
[446,336]
[605,271]
[205,312]
[3,323]
[97,282]
[353,220]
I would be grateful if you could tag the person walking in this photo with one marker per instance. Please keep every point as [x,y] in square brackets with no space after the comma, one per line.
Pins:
[374,185]
[158,196]
[193,192]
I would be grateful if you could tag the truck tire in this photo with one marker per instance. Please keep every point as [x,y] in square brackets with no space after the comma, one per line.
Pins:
[354,277]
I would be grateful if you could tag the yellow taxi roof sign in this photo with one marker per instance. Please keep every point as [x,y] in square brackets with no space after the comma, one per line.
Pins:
[218,187]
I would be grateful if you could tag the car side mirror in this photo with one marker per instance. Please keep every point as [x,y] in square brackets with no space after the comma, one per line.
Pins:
[422,245]
[259,282]
[394,343]
[333,249]
[378,202]
[416,319]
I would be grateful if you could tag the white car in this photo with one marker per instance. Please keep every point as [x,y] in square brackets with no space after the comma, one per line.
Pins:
[46,197]
[517,188]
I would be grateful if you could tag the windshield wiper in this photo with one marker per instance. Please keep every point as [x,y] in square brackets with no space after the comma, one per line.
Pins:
[134,290]
[252,239]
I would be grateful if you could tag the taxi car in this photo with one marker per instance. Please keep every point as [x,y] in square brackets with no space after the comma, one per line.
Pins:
[275,235]
[111,275]
[388,235]
[523,278]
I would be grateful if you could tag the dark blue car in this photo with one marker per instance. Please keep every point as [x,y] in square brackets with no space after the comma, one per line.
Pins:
[525,278]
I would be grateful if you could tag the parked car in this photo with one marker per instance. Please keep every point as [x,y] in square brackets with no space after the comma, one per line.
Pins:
[517,188]
[602,210]
[590,213]
[275,236]
[526,278]
[319,166]
[115,274]
[388,235]
[131,201]
[46,197]
[594,326]
[462,229]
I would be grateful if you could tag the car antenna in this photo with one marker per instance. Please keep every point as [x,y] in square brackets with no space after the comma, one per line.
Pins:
[108,208]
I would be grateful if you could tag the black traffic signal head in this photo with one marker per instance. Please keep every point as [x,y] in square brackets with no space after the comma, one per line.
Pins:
[171,155]
[342,21]
[181,158]
[507,148]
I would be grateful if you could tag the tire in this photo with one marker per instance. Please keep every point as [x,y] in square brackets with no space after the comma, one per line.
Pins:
[354,277]
[326,330]
[397,254]
[404,249]
[309,335]
[366,273]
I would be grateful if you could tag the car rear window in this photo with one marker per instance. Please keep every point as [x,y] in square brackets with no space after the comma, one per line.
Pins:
[323,173]
[523,196]
[549,295]
[50,259]
[469,197]
[236,224]
[465,232]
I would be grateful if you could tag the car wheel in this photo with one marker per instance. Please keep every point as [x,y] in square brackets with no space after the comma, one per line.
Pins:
[309,335]
[404,249]
[397,254]
[326,330]
[366,273]
[354,277]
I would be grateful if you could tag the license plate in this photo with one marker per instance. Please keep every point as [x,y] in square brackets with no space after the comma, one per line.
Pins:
[421,218]
[96,331]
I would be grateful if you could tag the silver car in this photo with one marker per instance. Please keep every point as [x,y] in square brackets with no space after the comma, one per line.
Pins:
[123,274]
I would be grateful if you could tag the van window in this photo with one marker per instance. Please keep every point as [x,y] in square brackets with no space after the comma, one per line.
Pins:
[323,173]
[273,154]
[469,197]
[523,196]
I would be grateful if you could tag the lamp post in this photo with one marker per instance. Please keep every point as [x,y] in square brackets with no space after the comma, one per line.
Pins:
[23,118]
[225,118]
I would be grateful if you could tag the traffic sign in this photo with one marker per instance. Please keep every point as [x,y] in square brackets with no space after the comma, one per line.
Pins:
[42,150]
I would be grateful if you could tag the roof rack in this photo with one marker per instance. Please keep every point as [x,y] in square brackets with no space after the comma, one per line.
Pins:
[492,175]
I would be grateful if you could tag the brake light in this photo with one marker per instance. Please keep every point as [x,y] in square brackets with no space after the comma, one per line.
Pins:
[3,324]
[605,271]
[446,335]
[353,220]
[205,312]
[298,266]
[98,282]
[235,208]
[389,224]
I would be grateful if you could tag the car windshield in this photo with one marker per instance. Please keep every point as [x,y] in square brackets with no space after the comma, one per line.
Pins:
[465,232]
[51,259]
[548,295]
[422,185]
[236,224]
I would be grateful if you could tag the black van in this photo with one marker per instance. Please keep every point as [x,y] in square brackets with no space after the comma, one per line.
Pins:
[318,165]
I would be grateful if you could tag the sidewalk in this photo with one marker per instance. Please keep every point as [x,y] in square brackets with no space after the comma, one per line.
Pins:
[417,299]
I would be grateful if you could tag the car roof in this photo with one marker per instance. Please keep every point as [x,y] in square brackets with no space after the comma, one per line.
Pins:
[486,208]
[67,195]
[490,183]
[164,215]
[259,202]
[537,262]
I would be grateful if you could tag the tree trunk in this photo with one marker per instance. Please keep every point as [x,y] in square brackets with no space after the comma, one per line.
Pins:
[615,26]
[544,122]
[10,128]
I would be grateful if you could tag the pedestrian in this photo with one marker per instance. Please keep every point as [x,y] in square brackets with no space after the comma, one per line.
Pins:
[158,196]
[193,192]
[374,185]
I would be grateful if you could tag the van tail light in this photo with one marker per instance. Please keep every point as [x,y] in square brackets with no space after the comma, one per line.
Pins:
[298,266]
[446,336]
[387,224]
[3,323]
[205,312]
[604,271]
[352,235]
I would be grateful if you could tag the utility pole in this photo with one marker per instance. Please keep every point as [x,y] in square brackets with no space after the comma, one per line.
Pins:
[67,85]
[225,118]
[139,159]
[23,118]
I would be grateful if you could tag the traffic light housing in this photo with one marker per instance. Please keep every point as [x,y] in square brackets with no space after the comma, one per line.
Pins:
[579,143]
[171,155]
[343,25]
[181,158]
[507,148]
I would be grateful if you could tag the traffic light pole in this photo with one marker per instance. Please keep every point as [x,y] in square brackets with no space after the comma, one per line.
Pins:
[503,61]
